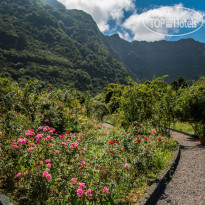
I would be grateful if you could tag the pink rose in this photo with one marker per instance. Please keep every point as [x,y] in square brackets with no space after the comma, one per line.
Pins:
[47,160]
[31,149]
[105,190]
[74,180]
[18,175]
[80,192]
[48,165]
[127,166]
[48,176]
[89,192]
[45,173]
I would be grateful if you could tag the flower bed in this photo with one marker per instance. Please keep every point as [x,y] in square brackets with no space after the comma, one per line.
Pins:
[95,166]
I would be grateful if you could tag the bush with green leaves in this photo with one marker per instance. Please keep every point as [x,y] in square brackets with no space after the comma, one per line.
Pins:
[95,166]
[152,103]
[191,106]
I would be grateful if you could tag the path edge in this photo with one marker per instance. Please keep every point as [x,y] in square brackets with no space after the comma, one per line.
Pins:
[185,133]
[153,193]
[4,200]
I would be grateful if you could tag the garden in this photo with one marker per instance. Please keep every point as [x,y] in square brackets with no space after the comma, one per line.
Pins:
[55,148]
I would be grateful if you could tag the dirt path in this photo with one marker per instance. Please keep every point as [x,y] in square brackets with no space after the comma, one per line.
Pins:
[107,125]
[187,187]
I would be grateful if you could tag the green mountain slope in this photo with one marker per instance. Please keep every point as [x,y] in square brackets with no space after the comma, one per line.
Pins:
[54,45]
[45,41]
[147,59]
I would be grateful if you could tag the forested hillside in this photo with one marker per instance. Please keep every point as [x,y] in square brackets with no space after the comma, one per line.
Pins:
[144,60]
[55,46]
[43,40]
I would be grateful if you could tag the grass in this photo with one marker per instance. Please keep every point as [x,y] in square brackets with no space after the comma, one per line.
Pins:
[182,126]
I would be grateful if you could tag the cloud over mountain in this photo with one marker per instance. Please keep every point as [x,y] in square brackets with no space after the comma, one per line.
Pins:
[130,27]
[102,11]
[136,22]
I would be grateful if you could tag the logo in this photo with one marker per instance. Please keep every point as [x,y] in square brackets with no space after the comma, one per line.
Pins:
[173,21]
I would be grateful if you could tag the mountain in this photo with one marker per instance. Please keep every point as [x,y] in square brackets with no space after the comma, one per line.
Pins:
[41,39]
[44,41]
[144,60]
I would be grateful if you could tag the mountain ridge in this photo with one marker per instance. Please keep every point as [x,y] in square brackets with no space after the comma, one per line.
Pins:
[43,40]
[38,41]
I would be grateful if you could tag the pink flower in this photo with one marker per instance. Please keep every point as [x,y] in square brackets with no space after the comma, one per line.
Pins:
[57,151]
[16,83]
[105,190]
[47,160]
[48,176]
[127,166]
[48,165]
[80,192]
[47,120]
[76,145]
[82,185]
[31,149]
[99,126]
[22,140]
[39,136]
[63,143]
[40,128]
[74,180]
[18,175]
[71,147]
[40,162]
[141,124]
[29,132]
[95,125]
[25,173]
[89,192]
[79,140]
[83,149]
[68,140]
[153,131]
[48,137]
[32,144]
[0,133]
[45,173]
[83,163]
[51,145]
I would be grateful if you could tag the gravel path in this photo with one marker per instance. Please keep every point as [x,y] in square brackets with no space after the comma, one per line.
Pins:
[187,187]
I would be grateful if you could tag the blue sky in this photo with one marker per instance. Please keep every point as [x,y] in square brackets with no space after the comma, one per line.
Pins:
[127,17]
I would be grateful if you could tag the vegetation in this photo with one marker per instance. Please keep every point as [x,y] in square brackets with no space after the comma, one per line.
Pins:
[183,126]
[40,42]
[55,150]
[54,147]
[144,59]
[191,106]
[152,103]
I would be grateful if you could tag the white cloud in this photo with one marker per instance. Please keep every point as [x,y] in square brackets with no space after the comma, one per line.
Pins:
[102,10]
[125,35]
[135,23]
